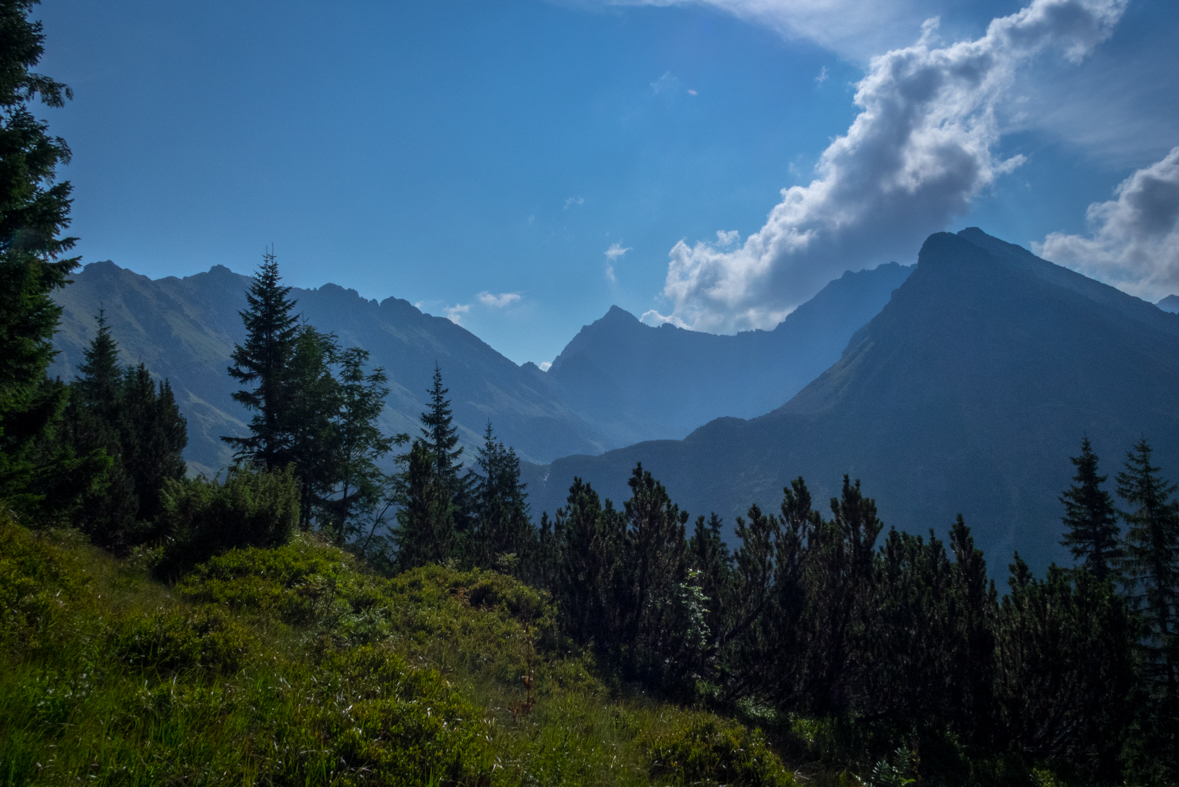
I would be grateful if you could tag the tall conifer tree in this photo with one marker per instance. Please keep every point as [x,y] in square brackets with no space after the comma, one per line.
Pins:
[440,434]
[265,361]
[441,437]
[1090,520]
[359,443]
[34,212]
[500,524]
[121,413]
[1152,563]
[425,523]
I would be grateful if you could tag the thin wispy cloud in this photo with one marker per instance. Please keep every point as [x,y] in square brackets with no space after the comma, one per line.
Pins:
[498,301]
[615,251]
[856,29]
[455,313]
[1134,238]
[665,83]
[921,148]
[613,254]
[574,201]
[822,77]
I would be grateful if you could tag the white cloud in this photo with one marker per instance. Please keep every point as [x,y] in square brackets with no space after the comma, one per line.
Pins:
[544,367]
[919,151]
[574,201]
[822,77]
[667,82]
[653,317]
[853,28]
[455,313]
[1134,240]
[498,301]
[613,254]
[615,251]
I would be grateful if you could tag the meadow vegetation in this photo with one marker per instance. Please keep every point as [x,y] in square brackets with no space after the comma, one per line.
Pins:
[295,665]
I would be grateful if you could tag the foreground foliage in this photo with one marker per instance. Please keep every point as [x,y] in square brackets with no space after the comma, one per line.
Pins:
[291,665]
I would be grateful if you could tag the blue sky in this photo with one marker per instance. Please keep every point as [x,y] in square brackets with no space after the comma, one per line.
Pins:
[522,165]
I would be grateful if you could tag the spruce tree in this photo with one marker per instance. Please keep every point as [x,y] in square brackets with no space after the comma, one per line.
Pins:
[265,361]
[99,384]
[34,212]
[311,406]
[440,434]
[121,414]
[1152,563]
[359,443]
[154,437]
[425,521]
[93,424]
[1090,520]
[500,523]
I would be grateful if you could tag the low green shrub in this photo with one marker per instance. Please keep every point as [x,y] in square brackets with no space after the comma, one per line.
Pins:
[706,751]
[206,638]
[384,722]
[33,578]
[252,508]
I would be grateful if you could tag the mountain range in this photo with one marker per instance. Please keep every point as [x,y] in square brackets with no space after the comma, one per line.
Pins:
[960,385]
[644,383]
[967,393]
[184,329]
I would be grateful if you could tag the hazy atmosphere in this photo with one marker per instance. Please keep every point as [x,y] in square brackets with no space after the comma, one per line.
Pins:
[521,166]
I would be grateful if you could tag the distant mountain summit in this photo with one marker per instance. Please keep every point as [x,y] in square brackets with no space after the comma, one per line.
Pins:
[967,393]
[638,382]
[1169,304]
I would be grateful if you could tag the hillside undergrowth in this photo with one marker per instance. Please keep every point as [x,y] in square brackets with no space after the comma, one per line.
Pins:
[295,666]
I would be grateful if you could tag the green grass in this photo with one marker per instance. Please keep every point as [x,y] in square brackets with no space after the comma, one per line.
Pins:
[294,666]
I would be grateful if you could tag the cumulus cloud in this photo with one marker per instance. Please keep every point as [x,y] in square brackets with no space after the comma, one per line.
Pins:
[1134,239]
[613,254]
[921,148]
[455,313]
[498,301]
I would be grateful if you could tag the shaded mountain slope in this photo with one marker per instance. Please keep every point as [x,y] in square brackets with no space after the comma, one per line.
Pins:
[185,329]
[967,393]
[638,382]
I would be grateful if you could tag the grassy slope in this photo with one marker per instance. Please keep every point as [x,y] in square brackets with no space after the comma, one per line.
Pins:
[293,666]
